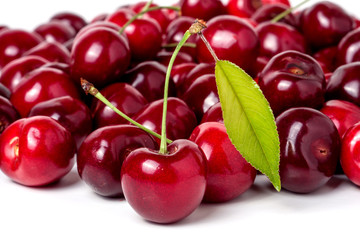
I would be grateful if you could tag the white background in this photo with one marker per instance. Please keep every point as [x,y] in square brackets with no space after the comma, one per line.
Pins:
[71,210]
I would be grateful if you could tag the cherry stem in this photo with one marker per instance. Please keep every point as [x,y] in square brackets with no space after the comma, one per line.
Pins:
[287,12]
[145,11]
[172,45]
[89,88]
[201,25]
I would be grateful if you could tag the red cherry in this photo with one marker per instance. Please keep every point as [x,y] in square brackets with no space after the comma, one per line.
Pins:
[202,9]
[51,51]
[228,173]
[4,91]
[243,8]
[348,49]
[71,19]
[164,57]
[326,57]
[213,114]
[36,151]
[165,188]
[8,114]
[120,16]
[56,31]
[180,71]
[267,12]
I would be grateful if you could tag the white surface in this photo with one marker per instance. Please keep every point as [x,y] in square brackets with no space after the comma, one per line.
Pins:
[70,210]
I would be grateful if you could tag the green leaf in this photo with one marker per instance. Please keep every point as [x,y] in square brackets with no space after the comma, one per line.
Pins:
[249,120]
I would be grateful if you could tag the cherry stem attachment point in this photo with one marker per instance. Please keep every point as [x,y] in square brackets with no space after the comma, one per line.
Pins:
[287,12]
[200,25]
[90,89]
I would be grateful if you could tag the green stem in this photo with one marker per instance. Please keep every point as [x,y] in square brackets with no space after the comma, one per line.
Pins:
[145,11]
[163,143]
[89,88]
[172,45]
[287,12]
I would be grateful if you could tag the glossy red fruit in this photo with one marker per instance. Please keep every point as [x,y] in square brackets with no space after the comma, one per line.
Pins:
[41,85]
[309,149]
[243,8]
[267,12]
[14,43]
[13,72]
[102,153]
[344,114]
[74,20]
[286,2]
[4,91]
[180,121]
[71,113]
[55,31]
[100,56]
[228,173]
[8,114]
[164,57]
[165,188]
[232,39]
[51,51]
[325,23]
[180,71]
[350,154]
[101,24]
[36,151]
[124,97]
[349,48]
[202,9]
[120,16]
[327,58]
[213,114]
[292,79]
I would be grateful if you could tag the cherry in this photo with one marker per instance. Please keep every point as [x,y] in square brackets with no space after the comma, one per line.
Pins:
[325,23]
[13,72]
[120,17]
[164,57]
[180,119]
[349,158]
[71,113]
[180,71]
[243,8]
[124,97]
[100,56]
[286,2]
[267,12]
[348,48]
[14,43]
[40,85]
[228,173]
[148,78]
[165,188]
[8,114]
[327,57]
[292,79]
[213,114]
[205,90]
[109,25]
[309,149]
[202,9]
[4,91]
[232,39]
[36,151]
[51,51]
[101,155]
[55,31]
[71,19]
[344,83]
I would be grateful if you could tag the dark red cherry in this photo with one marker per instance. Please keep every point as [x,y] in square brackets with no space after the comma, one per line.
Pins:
[326,57]
[243,8]
[120,16]
[202,9]
[4,91]
[228,173]
[149,78]
[71,113]
[292,79]
[325,23]
[213,114]
[309,149]
[56,31]
[267,12]
[102,153]
[13,72]
[232,39]
[8,114]
[286,2]
[124,97]
[40,85]
[349,48]
[180,120]
[201,95]
[180,71]
[109,25]
[165,188]
[51,51]
[74,20]
[164,57]
[100,56]
[14,43]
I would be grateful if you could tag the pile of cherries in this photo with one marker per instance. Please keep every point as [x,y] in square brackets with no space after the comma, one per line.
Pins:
[306,64]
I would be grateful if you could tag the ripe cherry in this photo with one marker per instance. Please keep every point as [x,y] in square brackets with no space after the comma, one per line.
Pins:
[8,114]
[202,9]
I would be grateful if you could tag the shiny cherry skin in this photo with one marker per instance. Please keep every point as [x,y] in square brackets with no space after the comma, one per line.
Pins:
[124,97]
[213,114]
[55,31]
[148,78]
[8,114]
[100,56]
[71,113]
[325,23]
[269,11]
[227,34]
[344,114]
[349,158]
[349,48]
[14,43]
[201,95]
[36,151]
[180,121]
[102,153]
[13,72]
[243,8]
[74,20]
[292,79]
[180,71]
[40,85]
[309,149]
[109,25]
[279,37]
[344,83]
[165,188]
[164,57]
[120,16]
[286,2]
[327,58]
[202,9]
[228,173]
[51,51]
